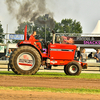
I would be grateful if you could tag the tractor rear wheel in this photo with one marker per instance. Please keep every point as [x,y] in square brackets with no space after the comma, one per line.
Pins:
[25,60]
[72,68]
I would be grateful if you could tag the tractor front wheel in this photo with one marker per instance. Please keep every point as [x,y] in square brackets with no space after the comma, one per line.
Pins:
[72,68]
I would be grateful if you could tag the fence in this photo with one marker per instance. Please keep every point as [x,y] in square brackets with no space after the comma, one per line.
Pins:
[3,50]
[6,62]
[3,63]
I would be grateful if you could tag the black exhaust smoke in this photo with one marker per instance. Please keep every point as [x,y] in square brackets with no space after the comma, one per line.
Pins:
[27,10]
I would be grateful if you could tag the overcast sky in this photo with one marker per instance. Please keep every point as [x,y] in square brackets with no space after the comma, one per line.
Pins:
[85,11]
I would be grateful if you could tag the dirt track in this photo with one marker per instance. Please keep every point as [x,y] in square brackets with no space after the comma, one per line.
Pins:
[29,95]
[46,82]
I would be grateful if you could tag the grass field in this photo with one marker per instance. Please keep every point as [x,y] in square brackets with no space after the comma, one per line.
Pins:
[55,74]
[44,89]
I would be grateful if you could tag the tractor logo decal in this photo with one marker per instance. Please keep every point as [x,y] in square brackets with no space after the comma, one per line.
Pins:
[25,57]
[25,60]
[53,62]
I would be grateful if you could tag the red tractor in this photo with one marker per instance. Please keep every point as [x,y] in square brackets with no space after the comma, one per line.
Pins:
[27,58]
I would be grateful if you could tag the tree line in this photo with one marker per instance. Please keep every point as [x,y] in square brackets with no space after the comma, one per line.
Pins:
[45,26]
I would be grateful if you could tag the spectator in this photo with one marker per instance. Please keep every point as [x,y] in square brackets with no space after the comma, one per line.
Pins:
[83,56]
[8,54]
[90,55]
[77,54]
[97,56]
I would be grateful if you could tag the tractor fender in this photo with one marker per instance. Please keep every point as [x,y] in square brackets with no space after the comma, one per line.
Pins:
[33,47]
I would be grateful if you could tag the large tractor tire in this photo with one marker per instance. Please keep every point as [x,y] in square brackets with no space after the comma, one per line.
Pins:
[72,68]
[25,60]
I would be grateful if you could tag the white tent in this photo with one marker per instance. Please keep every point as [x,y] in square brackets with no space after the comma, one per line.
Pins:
[96,30]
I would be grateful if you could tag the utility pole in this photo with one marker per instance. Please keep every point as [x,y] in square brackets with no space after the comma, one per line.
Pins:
[45,32]
[46,18]
[6,33]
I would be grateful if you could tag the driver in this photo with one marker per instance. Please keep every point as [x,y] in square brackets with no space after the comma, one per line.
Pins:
[68,41]
[32,38]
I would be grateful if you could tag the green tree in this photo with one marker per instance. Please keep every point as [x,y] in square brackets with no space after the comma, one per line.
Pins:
[9,41]
[46,24]
[21,28]
[68,26]
[2,36]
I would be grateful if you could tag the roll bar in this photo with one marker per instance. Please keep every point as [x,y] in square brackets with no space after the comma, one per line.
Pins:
[53,38]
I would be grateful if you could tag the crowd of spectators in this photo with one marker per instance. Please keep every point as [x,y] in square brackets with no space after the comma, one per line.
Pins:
[82,56]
